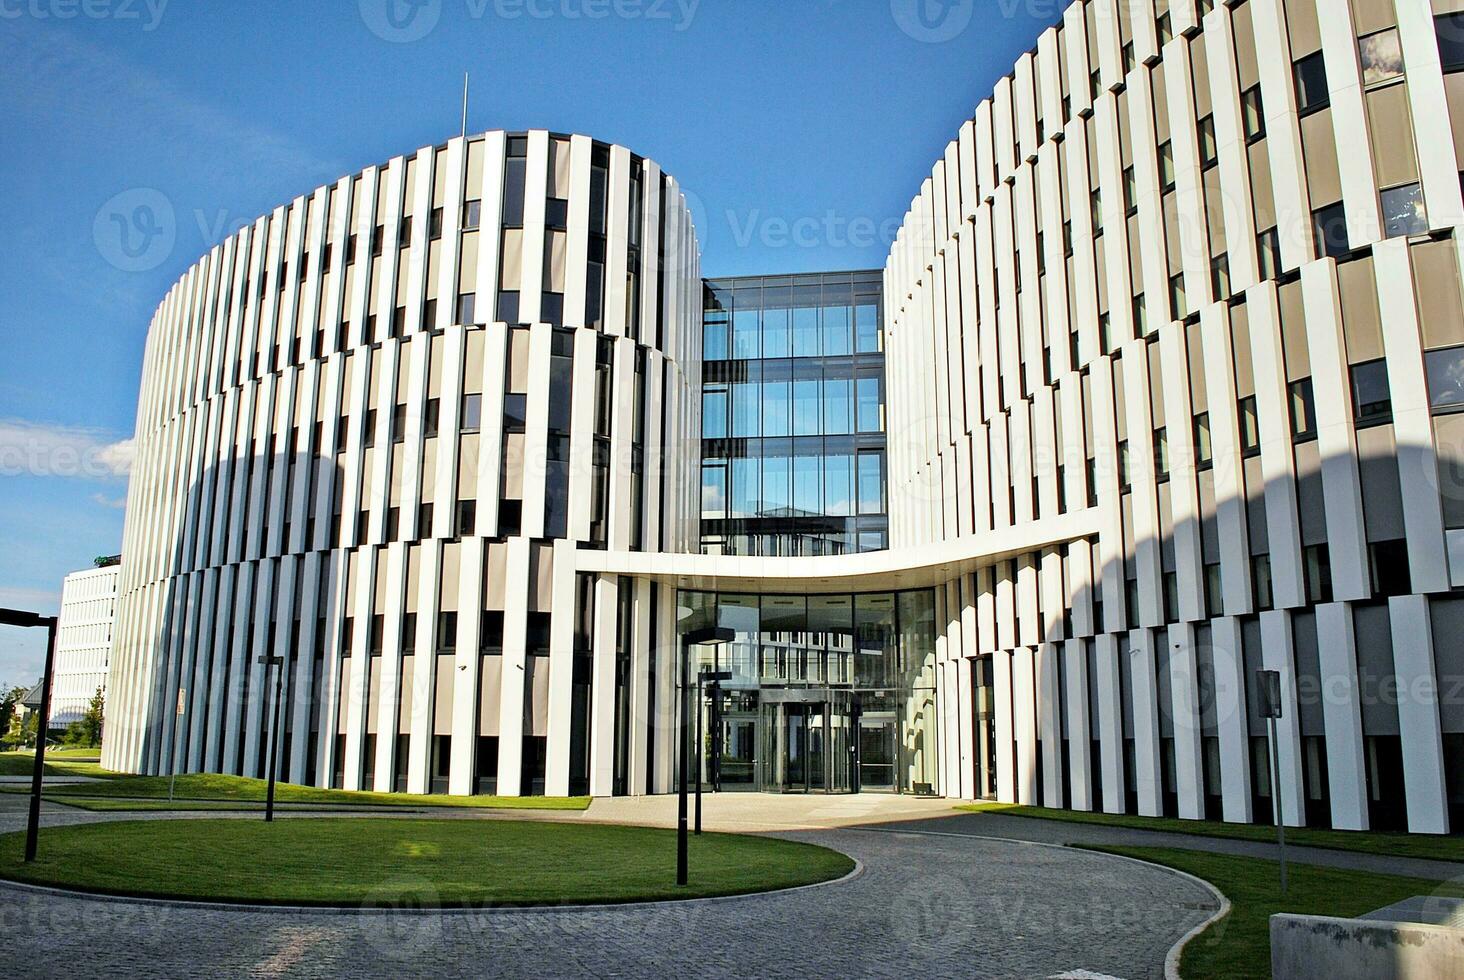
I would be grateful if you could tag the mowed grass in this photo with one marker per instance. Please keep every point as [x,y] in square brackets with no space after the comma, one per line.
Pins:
[213,787]
[1239,946]
[1438,848]
[408,862]
[59,762]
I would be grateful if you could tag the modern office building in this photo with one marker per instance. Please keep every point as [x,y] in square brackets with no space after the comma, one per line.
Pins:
[84,639]
[1163,385]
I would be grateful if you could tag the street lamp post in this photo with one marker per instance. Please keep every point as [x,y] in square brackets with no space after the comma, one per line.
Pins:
[706,677]
[17,617]
[700,637]
[1270,682]
[277,664]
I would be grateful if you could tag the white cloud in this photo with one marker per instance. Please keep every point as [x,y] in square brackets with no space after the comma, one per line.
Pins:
[117,503]
[39,449]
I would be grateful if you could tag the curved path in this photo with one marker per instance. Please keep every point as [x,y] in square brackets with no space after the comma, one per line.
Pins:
[925,905]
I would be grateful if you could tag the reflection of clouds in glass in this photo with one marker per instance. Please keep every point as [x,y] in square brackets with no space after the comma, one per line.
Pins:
[1446,377]
[1382,57]
[1403,211]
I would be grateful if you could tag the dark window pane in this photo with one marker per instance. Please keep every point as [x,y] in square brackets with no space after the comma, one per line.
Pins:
[1330,227]
[1445,377]
[1311,83]
[1371,399]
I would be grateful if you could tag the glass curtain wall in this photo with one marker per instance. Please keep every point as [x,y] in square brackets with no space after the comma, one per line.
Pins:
[793,420]
[822,693]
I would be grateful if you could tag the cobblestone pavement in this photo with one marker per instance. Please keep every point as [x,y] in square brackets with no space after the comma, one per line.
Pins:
[926,905]
[1065,832]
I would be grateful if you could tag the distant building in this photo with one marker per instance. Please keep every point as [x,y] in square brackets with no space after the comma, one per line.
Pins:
[84,640]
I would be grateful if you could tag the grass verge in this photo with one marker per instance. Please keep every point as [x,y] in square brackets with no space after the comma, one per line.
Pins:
[1371,842]
[408,862]
[1239,946]
[59,762]
[213,787]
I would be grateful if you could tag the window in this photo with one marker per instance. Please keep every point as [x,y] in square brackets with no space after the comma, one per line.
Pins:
[1125,468]
[1388,564]
[515,412]
[1261,582]
[1166,166]
[745,333]
[1220,276]
[1329,226]
[1445,368]
[714,337]
[1253,114]
[1141,318]
[1303,410]
[472,215]
[556,213]
[472,413]
[1209,147]
[1372,402]
[1105,332]
[1214,591]
[1317,570]
[1128,57]
[714,412]
[508,306]
[1381,55]
[1250,427]
[1096,203]
[467,308]
[467,518]
[1403,211]
[714,489]
[1204,453]
[1311,84]
[1164,27]
[1161,454]
[1450,31]
[870,417]
[871,483]
[1268,252]
[431,417]
[866,329]
[434,226]
[1130,192]
[1178,301]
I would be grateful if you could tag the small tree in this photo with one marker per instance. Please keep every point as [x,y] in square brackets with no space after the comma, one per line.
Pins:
[8,701]
[91,722]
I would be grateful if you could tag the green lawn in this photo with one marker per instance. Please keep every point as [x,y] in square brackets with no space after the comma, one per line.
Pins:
[1440,848]
[59,762]
[197,787]
[415,862]
[1239,946]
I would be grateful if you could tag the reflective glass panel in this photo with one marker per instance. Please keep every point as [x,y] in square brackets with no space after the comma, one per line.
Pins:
[746,487]
[805,332]
[869,408]
[838,408]
[807,408]
[714,413]
[775,333]
[808,484]
[745,333]
[777,490]
[775,408]
[839,485]
[836,338]
[746,403]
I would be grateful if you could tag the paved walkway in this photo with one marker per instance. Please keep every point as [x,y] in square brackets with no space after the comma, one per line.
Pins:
[936,897]
[924,906]
[1064,832]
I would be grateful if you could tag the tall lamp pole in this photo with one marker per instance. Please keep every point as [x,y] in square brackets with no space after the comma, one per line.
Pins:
[1271,710]
[701,637]
[277,664]
[17,617]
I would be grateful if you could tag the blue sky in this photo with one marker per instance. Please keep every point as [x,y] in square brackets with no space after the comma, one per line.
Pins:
[800,128]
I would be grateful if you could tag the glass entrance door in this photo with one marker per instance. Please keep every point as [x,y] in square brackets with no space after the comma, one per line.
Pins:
[806,744]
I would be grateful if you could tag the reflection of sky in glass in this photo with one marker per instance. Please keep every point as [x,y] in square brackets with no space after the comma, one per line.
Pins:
[1382,57]
[1403,212]
[1446,377]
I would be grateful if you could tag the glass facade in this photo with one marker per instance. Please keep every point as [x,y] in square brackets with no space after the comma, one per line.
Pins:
[820,693]
[793,420]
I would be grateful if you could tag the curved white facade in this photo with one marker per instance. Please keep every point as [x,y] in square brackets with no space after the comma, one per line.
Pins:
[1194,269]
[374,426]
[1175,351]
